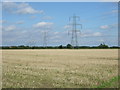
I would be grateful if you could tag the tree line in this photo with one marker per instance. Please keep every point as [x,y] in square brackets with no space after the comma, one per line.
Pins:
[68,46]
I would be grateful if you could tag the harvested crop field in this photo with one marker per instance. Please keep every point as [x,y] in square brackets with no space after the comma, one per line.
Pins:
[60,68]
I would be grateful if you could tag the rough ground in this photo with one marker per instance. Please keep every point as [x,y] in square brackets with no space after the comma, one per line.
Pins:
[60,68]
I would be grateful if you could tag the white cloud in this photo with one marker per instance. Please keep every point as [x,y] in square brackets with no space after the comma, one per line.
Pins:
[112,26]
[9,5]
[2,21]
[114,11]
[101,40]
[28,10]
[22,8]
[33,17]
[95,34]
[55,33]
[55,37]
[67,27]
[104,27]
[47,18]
[19,22]
[9,28]
[43,25]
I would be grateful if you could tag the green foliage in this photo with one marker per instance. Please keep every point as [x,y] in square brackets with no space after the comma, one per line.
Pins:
[109,83]
[69,46]
[103,46]
[60,47]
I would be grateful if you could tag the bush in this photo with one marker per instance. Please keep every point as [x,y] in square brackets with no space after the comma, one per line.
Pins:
[60,47]
[103,46]
[69,46]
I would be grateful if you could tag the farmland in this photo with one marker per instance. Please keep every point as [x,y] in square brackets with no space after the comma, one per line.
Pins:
[59,68]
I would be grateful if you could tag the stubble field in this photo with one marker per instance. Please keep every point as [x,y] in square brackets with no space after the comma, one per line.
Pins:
[60,68]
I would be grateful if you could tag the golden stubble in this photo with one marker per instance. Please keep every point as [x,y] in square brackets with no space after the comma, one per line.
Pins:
[58,67]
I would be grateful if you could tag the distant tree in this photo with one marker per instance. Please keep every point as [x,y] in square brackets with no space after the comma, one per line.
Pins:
[114,47]
[103,46]
[13,47]
[69,46]
[60,47]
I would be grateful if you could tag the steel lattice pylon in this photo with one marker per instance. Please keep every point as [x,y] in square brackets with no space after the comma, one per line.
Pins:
[74,31]
[45,38]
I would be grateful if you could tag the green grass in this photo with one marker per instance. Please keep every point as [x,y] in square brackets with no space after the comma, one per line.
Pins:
[112,82]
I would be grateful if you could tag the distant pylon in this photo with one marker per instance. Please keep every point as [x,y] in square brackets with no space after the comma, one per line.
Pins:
[45,38]
[74,31]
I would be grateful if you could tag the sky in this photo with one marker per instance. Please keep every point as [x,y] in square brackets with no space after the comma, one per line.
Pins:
[24,23]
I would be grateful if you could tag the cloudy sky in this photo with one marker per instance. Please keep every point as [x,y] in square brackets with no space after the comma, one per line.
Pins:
[24,23]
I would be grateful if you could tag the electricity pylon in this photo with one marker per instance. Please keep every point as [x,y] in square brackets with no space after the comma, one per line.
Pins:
[74,31]
[45,38]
